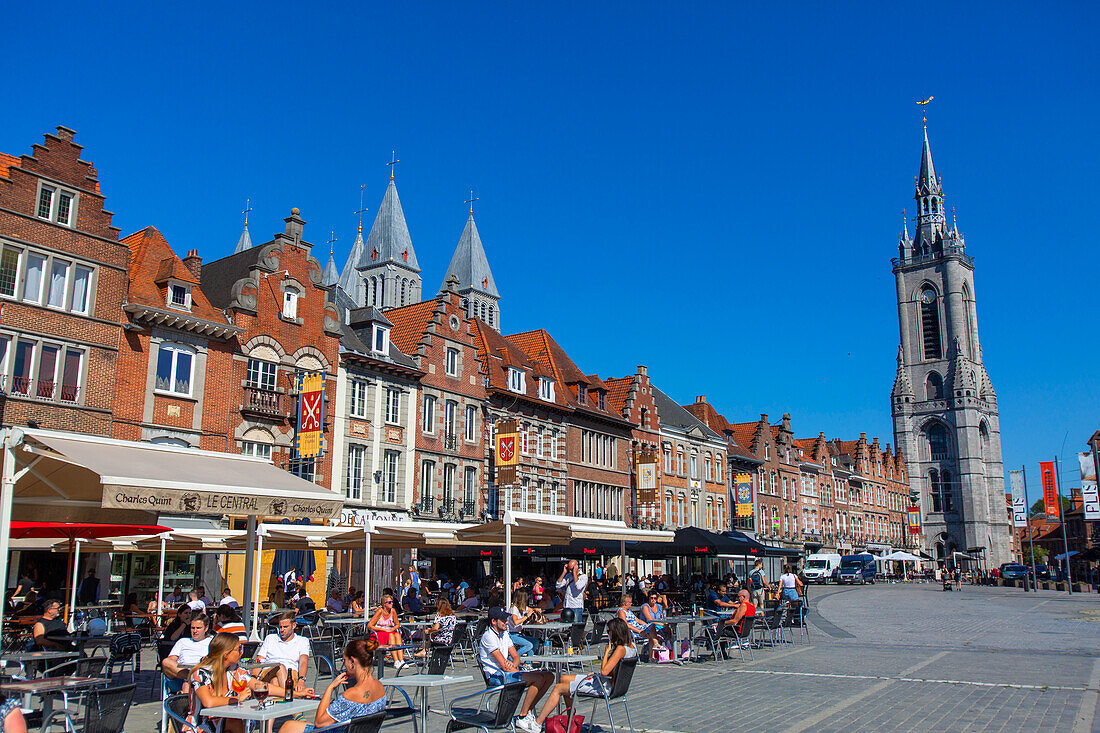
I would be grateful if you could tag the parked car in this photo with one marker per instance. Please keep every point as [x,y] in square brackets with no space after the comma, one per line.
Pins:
[1040,572]
[1013,571]
[857,569]
[821,567]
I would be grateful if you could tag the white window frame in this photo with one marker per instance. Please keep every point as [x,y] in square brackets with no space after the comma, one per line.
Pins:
[53,212]
[538,443]
[470,432]
[393,406]
[469,486]
[357,393]
[175,286]
[176,350]
[256,449]
[258,378]
[380,339]
[546,389]
[427,424]
[390,469]
[450,362]
[290,303]
[516,381]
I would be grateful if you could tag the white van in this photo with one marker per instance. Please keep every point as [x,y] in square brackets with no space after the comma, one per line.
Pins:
[821,567]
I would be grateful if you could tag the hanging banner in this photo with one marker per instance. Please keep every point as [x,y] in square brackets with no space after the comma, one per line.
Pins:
[913,515]
[1089,493]
[1049,478]
[311,414]
[647,478]
[742,494]
[505,453]
[1019,501]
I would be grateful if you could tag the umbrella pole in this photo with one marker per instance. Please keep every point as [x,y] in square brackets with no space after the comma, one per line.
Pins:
[507,565]
[69,574]
[249,568]
[72,593]
[7,490]
[622,558]
[160,581]
[255,633]
[366,573]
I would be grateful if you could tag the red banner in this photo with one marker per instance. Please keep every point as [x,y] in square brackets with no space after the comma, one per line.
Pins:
[1051,504]
[913,516]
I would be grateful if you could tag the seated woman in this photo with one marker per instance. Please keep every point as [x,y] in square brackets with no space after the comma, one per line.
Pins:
[366,696]
[638,628]
[178,627]
[518,615]
[653,612]
[442,631]
[136,615]
[385,627]
[356,605]
[620,646]
[218,680]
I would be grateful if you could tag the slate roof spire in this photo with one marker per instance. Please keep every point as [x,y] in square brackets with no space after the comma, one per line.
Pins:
[331,275]
[470,265]
[245,240]
[927,182]
[389,235]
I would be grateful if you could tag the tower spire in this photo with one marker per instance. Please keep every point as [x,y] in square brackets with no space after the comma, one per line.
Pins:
[362,209]
[245,240]
[393,163]
[471,201]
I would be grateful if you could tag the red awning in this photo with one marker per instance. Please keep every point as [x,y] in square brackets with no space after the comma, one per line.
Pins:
[79,530]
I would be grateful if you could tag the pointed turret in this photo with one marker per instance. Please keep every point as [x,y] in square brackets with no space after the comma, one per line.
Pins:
[476,285]
[930,214]
[964,380]
[331,275]
[388,273]
[902,386]
[349,276]
[245,240]
[927,183]
[389,239]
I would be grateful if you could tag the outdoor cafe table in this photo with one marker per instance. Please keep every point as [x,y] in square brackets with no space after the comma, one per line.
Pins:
[251,712]
[559,660]
[49,686]
[424,682]
[21,658]
[381,654]
[673,622]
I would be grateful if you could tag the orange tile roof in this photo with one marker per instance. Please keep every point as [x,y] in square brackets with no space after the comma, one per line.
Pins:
[497,353]
[172,268]
[409,323]
[540,346]
[150,253]
[617,390]
[744,433]
[6,163]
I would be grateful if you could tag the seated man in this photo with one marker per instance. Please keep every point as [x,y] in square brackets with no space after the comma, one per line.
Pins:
[500,662]
[718,601]
[49,631]
[334,604]
[186,653]
[227,620]
[228,600]
[283,655]
[734,625]
[304,604]
[470,601]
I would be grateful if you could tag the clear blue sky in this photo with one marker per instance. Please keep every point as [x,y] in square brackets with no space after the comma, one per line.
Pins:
[714,192]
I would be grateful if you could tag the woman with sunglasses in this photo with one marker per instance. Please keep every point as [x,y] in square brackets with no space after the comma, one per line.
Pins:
[385,628]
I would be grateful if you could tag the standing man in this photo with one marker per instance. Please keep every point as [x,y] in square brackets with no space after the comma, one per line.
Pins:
[759,583]
[573,582]
[290,585]
[284,656]
[88,592]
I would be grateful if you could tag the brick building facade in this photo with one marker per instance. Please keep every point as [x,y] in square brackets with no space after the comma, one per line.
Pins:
[632,397]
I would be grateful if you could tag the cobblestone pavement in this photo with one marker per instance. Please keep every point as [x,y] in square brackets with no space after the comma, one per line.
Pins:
[878,658]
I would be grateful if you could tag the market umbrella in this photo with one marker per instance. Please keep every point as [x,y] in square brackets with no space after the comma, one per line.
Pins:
[899,556]
[687,542]
[302,560]
[75,532]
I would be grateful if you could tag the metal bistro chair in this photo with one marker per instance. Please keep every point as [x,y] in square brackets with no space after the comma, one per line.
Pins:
[439,658]
[324,654]
[249,649]
[84,667]
[707,632]
[164,648]
[362,724]
[461,641]
[125,648]
[599,630]
[509,697]
[613,691]
[176,708]
[104,712]
[740,637]
[796,619]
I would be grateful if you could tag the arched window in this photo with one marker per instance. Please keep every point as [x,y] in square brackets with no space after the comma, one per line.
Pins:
[404,287]
[930,323]
[934,386]
[938,448]
[983,431]
[946,492]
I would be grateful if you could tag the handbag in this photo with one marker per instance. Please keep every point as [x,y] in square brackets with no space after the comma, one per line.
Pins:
[557,724]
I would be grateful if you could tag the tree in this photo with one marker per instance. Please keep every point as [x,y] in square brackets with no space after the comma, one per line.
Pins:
[1041,555]
[1039,508]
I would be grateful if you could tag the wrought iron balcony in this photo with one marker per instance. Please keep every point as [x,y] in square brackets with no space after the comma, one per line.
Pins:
[42,389]
[469,508]
[450,440]
[264,402]
[427,501]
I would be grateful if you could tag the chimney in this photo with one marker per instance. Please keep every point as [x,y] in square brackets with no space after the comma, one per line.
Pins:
[294,226]
[194,263]
[65,133]
[863,437]
[701,399]
[642,370]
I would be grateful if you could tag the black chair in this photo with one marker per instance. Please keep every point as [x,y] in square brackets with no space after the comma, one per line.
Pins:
[460,640]
[249,649]
[125,648]
[613,691]
[324,654]
[509,697]
[599,629]
[104,712]
[176,707]
[740,635]
[362,724]
[164,648]
[796,619]
[439,658]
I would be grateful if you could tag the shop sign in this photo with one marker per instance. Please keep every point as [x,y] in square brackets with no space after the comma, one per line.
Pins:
[216,503]
[351,517]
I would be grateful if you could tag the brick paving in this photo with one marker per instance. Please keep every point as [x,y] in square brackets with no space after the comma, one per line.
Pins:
[879,658]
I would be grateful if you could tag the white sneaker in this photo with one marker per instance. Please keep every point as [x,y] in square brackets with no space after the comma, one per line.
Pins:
[528,724]
[399,665]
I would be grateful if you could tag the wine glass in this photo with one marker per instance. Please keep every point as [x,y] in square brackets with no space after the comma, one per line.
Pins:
[260,693]
[238,685]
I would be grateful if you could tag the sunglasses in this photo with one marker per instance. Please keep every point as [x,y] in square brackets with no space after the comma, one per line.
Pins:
[389,603]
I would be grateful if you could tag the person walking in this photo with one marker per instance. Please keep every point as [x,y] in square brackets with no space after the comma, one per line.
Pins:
[759,583]
[790,587]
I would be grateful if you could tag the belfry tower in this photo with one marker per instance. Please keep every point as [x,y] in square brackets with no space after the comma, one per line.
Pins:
[943,404]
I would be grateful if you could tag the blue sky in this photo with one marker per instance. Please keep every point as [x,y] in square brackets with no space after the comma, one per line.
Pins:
[711,190]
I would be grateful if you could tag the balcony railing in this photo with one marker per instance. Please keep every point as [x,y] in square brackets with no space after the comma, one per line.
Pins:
[426,503]
[264,401]
[46,390]
[450,440]
[469,508]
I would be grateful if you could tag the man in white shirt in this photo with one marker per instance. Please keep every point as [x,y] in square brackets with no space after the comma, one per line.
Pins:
[228,600]
[284,655]
[194,600]
[573,582]
[186,652]
[500,661]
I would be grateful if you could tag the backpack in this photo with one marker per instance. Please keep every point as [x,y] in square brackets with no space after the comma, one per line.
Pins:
[755,580]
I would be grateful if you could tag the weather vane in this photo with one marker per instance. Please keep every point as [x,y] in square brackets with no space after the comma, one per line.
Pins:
[393,163]
[247,208]
[923,115]
[471,201]
[362,208]
[331,239]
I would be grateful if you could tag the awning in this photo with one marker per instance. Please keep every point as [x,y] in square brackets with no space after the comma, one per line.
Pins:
[81,472]
[688,542]
[551,529]
[1062,556]
[900,556]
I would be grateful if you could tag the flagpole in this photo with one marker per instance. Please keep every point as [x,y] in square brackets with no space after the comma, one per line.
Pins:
[1062,516]
[1030,539]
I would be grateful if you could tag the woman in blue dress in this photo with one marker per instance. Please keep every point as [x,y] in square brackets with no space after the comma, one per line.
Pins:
[366,696]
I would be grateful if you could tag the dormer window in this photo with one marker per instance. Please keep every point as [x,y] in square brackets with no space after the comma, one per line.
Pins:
[179,296]
[601,399]
[381,340]
[515,380]
[582,393]
[290,303]
[546,389]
